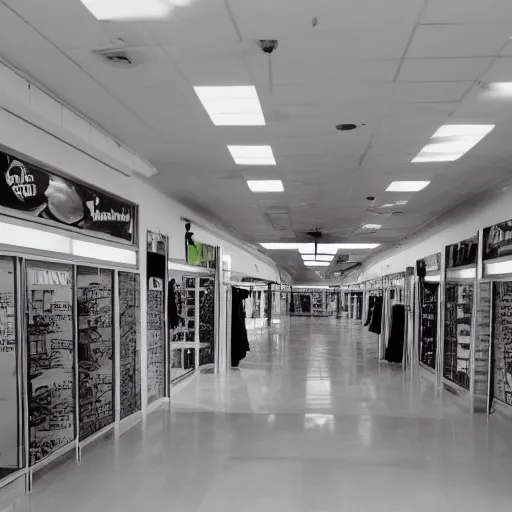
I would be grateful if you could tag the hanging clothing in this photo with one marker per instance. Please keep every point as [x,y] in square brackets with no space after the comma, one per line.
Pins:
[395,348]
[239,339]
[376,320]
[371,304]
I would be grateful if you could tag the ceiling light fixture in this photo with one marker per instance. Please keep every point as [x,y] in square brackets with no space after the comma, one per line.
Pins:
[452,141]
[372,226]
[309,248]
[318,257]
[407,186]
[232,106]
[131,9]
[266,185]
[499,90]
[316,263]
[252,155]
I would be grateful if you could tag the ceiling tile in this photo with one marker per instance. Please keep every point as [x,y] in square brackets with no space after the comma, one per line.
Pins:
[467,11]
[443,70]
[477,40]
[500,71]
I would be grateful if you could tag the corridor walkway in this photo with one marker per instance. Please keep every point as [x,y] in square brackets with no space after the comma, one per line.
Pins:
[310,423]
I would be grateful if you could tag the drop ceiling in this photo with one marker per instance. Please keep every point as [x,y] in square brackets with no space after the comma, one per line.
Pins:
[399,69]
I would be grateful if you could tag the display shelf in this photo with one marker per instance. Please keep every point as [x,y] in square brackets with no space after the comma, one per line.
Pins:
[428,324]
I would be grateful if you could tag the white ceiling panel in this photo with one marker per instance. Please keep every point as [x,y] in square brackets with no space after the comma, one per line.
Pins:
[443,70]
[467,11]
[500,71]
[476,40]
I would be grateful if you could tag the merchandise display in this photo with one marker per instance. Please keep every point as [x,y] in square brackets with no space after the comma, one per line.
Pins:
[95,349]
[502,343]
[457,332]
[206,320]
[428,323]
[482,342]
[129,324]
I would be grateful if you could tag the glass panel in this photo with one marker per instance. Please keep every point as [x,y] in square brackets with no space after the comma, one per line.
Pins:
[428,323]
[9,445]
[95,349]
[51,387]
[457,333]
[503,343]
[182,324]
[129,324]
[206,320]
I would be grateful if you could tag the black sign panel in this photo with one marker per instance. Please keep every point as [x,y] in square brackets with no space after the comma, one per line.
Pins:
[463,253]
[43,194]
[498,240]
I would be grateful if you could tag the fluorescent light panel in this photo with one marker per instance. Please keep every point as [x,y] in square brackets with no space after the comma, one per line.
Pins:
[266,185]
[131,9]
[407,186]
[318,257]
[309,248]
[252,155]
[316,263]
[232,106]
[452,141]
[372,226]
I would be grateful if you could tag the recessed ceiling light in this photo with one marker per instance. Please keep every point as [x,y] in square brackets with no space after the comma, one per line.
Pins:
[232,106]
[316,263]
[401,203]
[131,9]
[499,90]
[266,185]
[452,141]
[372,226]
[318,257]
[252,155]
[407,186]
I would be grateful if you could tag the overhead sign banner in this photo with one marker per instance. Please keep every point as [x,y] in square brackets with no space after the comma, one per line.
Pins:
[42,194]
[463,253]
[498,240]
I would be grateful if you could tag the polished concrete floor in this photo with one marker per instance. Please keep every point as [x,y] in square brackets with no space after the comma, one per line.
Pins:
[310,423]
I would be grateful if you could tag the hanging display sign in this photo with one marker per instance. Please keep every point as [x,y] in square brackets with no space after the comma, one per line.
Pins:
[44,195]
[498,240]
[462,253]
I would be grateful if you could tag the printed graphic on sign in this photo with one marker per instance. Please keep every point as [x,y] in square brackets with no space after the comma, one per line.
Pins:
[45,195]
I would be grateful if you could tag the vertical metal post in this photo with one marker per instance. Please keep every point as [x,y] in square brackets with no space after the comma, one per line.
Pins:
[167,377]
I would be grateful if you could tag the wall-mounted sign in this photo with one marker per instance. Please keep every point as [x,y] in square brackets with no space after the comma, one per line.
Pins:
[430,263]
[498,240]
[45,195]
[198,253]
[463,253]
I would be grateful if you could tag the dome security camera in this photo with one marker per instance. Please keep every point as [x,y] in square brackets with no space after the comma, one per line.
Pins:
[268,45]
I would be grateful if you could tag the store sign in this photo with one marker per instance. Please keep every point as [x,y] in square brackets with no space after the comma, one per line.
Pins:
[498,240]
[432,262]
[48,277]
[463,253]
[45,195]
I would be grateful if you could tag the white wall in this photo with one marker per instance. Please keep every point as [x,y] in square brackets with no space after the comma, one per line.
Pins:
[463,222]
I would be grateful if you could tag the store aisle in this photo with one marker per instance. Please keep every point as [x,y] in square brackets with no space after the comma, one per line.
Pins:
[311,423]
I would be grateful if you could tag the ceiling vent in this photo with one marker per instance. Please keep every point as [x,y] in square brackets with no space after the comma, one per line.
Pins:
[117,58]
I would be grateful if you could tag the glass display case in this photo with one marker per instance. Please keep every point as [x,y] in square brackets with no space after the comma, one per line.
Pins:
[457,331]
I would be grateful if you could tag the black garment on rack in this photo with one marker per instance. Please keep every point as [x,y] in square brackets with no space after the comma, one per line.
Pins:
[376,320]
[371,304]
[239,339]
[395,348]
